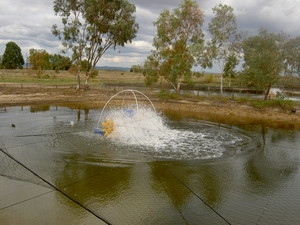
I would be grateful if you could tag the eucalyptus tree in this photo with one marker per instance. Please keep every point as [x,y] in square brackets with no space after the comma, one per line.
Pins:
[229,68]
[91,27]
[178,32]
[263,58]
[12,57]
[291,50]
[224,41]
[59,62]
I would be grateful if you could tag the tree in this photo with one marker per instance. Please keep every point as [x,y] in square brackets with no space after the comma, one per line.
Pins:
[292,56]
[1,65]
[229,68]
[39,59]
[91,27]
[59,62]
[178,33]
[263,58]
[151,69]
[12,57]
[136,68]
[224,39]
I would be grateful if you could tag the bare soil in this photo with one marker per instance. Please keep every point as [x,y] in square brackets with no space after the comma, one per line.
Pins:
[228,112]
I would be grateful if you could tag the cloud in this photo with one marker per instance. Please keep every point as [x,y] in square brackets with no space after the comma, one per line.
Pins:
[29,22]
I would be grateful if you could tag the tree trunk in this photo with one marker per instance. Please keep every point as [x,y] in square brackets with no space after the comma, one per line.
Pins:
[78,77]
[221,86]
[267,92]
[178,87]
[87,77]
[78,81]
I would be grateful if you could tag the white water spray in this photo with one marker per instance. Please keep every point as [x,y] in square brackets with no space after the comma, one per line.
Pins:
[141,126]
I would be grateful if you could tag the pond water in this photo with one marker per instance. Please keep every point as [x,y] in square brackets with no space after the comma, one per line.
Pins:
[165,168]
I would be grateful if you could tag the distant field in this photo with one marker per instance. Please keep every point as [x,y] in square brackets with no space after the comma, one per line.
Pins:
[105,77]
[119,78]
[66,78]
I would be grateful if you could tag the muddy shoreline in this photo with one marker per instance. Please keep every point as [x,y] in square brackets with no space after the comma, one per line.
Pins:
[228,112]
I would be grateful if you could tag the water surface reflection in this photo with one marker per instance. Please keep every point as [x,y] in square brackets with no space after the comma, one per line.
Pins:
[124,185]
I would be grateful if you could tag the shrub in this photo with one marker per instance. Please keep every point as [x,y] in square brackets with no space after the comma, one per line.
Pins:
[198,74]
[94,73]
[209,78]
[167,95]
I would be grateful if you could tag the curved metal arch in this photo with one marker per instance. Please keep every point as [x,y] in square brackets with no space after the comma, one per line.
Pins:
[125,91]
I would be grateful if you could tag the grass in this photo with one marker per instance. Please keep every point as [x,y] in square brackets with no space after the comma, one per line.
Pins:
[284,104]
[163,94]
[66,78]
[27,76]
[277,103]
[259,104]
[60,81]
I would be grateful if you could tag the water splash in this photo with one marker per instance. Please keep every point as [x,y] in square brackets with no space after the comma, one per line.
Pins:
[147,131]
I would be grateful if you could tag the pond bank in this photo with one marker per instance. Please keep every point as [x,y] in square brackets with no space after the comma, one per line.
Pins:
[228,112]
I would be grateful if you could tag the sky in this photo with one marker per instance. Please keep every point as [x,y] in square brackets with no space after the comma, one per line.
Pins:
[28,23]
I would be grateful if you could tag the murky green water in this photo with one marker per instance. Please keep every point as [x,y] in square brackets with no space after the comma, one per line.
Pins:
[250,176]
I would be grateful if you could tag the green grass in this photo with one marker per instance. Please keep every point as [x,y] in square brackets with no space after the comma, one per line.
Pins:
[242,100]
[278,103]
[39,80]
[260,104]
[163,94]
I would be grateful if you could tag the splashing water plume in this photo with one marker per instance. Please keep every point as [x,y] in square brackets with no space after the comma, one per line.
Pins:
[140,125]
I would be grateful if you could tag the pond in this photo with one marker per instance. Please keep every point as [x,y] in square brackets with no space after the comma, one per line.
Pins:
[173,169]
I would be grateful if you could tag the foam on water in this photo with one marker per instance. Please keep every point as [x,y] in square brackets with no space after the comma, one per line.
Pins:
[148,131]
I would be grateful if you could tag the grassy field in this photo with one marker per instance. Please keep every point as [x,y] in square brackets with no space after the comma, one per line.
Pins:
[111,77]
[104,77]
[66,78]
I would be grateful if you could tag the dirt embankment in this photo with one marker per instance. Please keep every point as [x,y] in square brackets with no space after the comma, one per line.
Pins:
[228,112]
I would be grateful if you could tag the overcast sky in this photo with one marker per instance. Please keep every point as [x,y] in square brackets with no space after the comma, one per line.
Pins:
[29,22]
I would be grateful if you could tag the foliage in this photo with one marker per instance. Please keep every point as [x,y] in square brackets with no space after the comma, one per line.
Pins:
[224,42]
[12,57]
[1,65]
[229,68]
[85,65]
[290,82]
[151,69]
[39,59]
[136,69]
[60,62]
[198,74]
[94,73]
[167,95]
[291,50]
[178,33]
[281,103]
[263,60]
[91,27]
[209,78]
